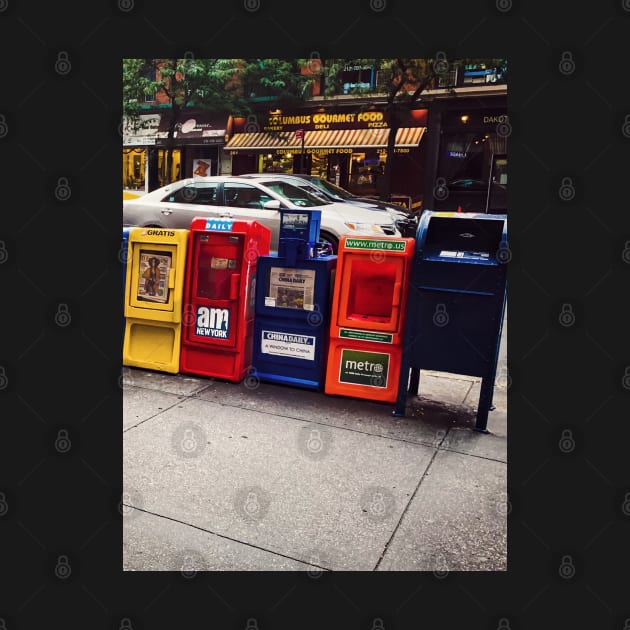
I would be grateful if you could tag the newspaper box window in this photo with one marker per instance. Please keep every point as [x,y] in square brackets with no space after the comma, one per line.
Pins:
[290,288]
[155,267]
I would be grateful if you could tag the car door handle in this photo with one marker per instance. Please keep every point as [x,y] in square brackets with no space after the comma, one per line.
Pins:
[227,214]
[166,211]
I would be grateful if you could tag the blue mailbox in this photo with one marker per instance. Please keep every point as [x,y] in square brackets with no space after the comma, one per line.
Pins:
[456,305]
[292,307]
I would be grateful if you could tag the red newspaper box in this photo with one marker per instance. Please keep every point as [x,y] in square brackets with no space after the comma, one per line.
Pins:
[219,296]
[368,316]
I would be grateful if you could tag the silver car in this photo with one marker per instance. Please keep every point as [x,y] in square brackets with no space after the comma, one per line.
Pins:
[176,204]
[405,221]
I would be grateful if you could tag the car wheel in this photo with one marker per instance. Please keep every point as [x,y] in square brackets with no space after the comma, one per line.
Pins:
[333,241]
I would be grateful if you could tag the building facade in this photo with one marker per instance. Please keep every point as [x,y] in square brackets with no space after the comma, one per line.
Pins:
[467,151]
[450,151]
[345,144]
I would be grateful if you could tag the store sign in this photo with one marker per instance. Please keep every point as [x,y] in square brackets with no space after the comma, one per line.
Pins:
[489,118]
[372,119]
[322,151]
[364,368]
[496,120]
[351,120]
[282,344]
[141,131]
[194,128]
[197,127]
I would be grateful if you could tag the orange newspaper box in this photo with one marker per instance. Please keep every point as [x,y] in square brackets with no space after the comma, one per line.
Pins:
[368,316]
[219,294]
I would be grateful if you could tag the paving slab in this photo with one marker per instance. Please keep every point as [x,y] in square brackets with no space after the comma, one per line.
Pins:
[450,389]
[492,445]
[178,384]
[152,543]
[423,424]
[141,404]
[457,520]
[287,485]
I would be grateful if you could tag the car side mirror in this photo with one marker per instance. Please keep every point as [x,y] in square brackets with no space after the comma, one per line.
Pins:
[272,204]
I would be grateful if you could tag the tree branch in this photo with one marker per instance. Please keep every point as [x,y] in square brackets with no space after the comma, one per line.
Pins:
[423,84]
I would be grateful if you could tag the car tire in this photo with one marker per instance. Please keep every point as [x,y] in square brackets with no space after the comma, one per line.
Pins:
[326,237]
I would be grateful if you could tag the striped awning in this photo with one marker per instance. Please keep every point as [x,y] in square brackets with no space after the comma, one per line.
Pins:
[329,139]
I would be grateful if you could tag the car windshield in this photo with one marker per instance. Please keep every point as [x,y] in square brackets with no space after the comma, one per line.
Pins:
[332,189]
[295,195]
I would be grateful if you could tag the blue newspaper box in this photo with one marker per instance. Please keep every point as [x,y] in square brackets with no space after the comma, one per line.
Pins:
[456,304]
[292,308]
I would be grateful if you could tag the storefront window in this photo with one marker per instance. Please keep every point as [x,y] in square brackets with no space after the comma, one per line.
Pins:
[276,163]
[319,165]
[356,77]
[134,161]
[163,176]
[466,165]
[365,169]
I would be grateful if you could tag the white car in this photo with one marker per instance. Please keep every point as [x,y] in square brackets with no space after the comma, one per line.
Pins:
[176,204]
[407,224]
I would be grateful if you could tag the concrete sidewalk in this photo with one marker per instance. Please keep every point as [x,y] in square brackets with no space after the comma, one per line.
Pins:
[256,476]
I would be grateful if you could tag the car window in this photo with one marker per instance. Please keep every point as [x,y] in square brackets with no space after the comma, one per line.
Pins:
[244,196]
[332,189]
[197,192]
[296,195]
[313,190]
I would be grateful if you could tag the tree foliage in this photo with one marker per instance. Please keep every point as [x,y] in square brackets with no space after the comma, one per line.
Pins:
[221,85]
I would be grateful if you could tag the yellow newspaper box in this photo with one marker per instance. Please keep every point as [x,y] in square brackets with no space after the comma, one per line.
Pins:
[154,293]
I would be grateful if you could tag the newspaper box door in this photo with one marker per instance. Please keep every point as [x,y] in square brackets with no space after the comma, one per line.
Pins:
[216,288]
[371,290]
[152,276]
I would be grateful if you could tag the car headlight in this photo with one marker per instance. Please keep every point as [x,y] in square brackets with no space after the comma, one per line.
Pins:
[366,228]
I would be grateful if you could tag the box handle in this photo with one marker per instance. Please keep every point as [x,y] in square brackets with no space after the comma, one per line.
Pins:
[396,297]
[234,282]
